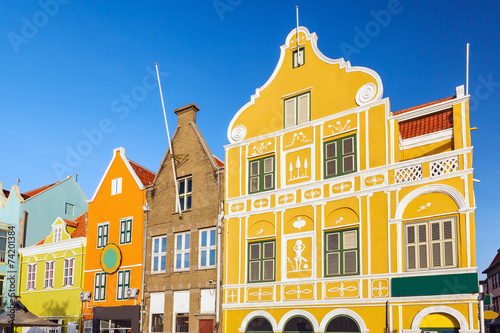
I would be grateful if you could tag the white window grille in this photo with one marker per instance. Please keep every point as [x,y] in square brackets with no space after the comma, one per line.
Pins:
[409,174]
[49,274]
[69,267]
[444,167]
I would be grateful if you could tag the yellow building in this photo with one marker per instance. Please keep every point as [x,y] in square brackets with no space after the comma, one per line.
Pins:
[51,274]
[342,216]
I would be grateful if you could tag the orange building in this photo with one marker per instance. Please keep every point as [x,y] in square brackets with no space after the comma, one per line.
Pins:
[115,242]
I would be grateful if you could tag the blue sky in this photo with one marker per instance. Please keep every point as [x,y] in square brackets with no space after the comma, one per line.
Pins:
[73,70]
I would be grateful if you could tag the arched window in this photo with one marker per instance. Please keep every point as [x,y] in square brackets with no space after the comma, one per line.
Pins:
[298,324]
[259,324]
[342,324]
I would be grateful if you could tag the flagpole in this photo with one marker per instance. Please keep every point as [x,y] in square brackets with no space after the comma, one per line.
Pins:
[177,200]
[297,35]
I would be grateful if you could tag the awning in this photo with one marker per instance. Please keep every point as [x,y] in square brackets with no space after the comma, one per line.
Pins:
[23,318]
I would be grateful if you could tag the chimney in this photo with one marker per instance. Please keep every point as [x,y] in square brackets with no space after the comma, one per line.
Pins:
[186,113]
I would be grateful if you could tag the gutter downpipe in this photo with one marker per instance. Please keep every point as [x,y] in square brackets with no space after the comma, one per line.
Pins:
[219,252]
[145,208]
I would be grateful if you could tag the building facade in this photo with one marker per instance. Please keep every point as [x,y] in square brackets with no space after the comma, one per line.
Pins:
[492,288]
[51,274]
[182,290]
[115,234]
[341,215]
[29,215]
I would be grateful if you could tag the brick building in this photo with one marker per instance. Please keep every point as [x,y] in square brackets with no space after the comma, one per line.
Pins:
[181,285]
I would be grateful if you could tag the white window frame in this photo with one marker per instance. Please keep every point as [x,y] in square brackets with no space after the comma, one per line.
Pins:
[31,278]
[57,237]
[126,232]
[53,329]
[296,110]
[48,282]
[211,233]
[116,186]
[158,254]
[101,237]
[185,195]
[183,251]
[429,243]
[69,272]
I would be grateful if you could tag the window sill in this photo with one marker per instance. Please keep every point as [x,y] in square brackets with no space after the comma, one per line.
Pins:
[205,268]
[184,211]
[181,270]
[158,272]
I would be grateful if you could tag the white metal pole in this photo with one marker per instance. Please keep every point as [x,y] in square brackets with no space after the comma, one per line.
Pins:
[177,200]
[467,75]
[481,306]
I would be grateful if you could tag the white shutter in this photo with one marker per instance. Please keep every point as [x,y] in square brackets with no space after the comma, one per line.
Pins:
[290,112]
[350,240]
[254,184]
[436,255]
[268,165]
[254,168]
[303,104]
[410,257]
[422,255]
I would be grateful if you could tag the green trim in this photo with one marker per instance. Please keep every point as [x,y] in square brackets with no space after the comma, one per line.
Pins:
[99,287]
[261,175]
[125,284]
[340,251]
[104,235]
[298,316]
[256,317]
[302,49]
[339,165]
[344,316]
[261,260]
[435,285]
[296,97]
[125,233]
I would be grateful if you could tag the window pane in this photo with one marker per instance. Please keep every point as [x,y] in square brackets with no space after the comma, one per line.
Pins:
[268,181]
[178,261]
[333,265]
[448,253]
[447,230]
[422,255]
[254,251]
[269,250]
[212,237]
[181,201]
[268,165]
[331,150]
[212,257]
[331,168]
[179,242]
[254,168]
[255,271]
[422,233]
[188,206]
[182,186]
[164,244]
[350,262]
[254,184]
[348,146]
[332,242]
[203,258]
[411,234]
[186,260]
[411,257]
[163,261]
[435,234]
[155,263]
[204,238]
[268,270]
[348,162]
[436,255]
[190,185]
[187,238]
[156,245]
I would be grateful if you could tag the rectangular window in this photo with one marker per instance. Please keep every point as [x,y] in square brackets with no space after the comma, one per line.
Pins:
[261,261]
[31,283]
[123,284]
[126,231]
[102,235]
[159,256]
[69,268]
[182,247]
[57,234]
[430,244]
[87,326]
[49,274]
[53,329]
[297,110]
[181,323]
[100,287]
[185,192]
[341,252]
[340,156]
[157,322]
[3,245]
[116,186]
[69,209]
[2,290]
[207,248]
[298,57]
[261,174]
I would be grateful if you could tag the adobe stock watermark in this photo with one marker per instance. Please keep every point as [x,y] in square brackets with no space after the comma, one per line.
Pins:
[483,91]
[223,6]
[121,107]
[30,27]
[372,28]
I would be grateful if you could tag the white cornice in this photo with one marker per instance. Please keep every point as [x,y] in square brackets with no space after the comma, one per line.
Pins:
[427,139]
[67,244]
[429,109]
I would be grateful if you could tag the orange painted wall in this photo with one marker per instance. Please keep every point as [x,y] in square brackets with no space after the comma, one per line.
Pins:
[111,208]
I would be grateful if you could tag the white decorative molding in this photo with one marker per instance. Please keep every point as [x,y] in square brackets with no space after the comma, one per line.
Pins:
[294,313]
[415,325]
[342,312]
[434,188]
[366,94]
[238,133]
[258,313]
[299,136]
[427,139]
[445,166]
[408,174]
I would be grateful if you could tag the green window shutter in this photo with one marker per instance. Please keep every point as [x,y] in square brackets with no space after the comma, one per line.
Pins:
[340,156]
[262,259]
[342,252]
[261,174]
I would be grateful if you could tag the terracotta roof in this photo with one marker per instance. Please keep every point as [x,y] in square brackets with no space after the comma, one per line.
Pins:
[218,160]
[81,229]
[423,105]
[34,192]
[42,241]
[146,176]
[71,223]
[427,124]
[495,261]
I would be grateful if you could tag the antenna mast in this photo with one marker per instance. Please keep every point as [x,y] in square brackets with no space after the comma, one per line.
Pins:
[467,73]
[297,35]
[177,200]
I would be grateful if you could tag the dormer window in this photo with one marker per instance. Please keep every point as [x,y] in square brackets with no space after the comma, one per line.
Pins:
[298,57]
[297,110]
[57,234]
[116,186]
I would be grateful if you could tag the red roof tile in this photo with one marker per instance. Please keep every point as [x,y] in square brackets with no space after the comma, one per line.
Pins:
[34,192]
[146,176]
[218,161]
[81,229]
[423,105]
[71,223]
[427,124]
[495,261]
[42,241]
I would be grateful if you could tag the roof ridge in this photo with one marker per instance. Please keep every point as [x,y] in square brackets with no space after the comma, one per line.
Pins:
[140,166]
[423,105]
